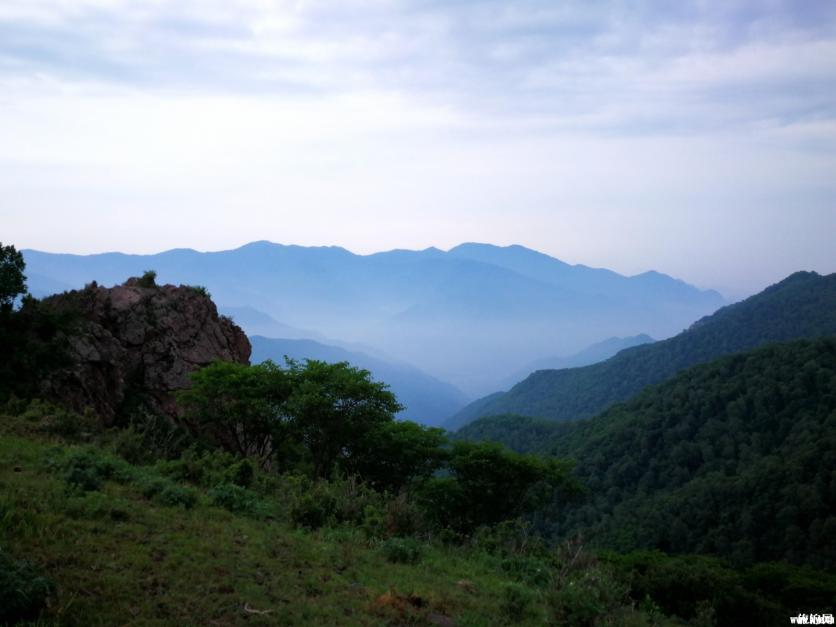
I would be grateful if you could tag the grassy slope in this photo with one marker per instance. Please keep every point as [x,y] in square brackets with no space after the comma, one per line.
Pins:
[120,559]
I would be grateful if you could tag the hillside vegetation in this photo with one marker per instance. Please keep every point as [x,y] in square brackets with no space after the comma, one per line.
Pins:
[733,458]
[801,306]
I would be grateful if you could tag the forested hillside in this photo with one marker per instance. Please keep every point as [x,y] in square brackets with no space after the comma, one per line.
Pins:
[733,458]
[801,306]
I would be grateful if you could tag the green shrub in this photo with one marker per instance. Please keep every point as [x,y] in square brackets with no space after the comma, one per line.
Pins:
[148,279]
[402,550]
[234,498]
[682,584]
[88,470]
[148,437]
[314,510]
[200,289]
[208,469]
[532,571]
[587,597]
[24,592]
[167,493]
[518,602]
[96,506]
[241,473]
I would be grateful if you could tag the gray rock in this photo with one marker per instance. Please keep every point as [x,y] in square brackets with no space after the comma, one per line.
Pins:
[133,341]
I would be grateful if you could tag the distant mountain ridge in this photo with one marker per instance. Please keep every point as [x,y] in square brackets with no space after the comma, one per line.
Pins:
[471,315]
[801,306]
[590,355]
[425,399]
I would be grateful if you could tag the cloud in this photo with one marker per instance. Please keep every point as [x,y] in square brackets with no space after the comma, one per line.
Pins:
[623,65]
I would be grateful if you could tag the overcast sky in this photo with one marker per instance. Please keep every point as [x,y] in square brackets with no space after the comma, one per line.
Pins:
[695,138]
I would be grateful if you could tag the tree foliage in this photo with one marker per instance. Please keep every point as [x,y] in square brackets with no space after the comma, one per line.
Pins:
[734,458]
[12,278]
[488,483]
[333,408]
[239,407]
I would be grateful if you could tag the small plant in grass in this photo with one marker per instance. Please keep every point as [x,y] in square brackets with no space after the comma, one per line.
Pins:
[167,493]
[518,602]
[88,470]
[234,498]
[402,550]
[24,592]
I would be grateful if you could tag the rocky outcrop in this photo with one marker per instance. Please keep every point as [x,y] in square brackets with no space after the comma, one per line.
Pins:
[136,343]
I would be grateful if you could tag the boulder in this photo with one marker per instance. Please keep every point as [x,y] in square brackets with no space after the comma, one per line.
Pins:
[137,344]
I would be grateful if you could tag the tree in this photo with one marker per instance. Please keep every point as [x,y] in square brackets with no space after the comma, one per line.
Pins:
[394,454]
[333,408]
[12,279]
[239,407]
[490,483]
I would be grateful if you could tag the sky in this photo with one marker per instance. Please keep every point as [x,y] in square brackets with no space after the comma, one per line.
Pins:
[694,138]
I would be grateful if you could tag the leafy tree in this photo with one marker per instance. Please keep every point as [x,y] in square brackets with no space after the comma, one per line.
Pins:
[489,483]
[332,409]
[12,279]
[239,407]
[393,454]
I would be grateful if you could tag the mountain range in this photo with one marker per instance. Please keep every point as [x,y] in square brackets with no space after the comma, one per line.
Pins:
[473,315]
[801,306]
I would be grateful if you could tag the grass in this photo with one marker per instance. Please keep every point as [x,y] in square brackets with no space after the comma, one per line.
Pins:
[119,557]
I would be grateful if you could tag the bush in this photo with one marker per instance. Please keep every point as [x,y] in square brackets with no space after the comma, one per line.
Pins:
[24,593]
[518,602]
[88,470]
[148,279]
[234,498]
[149,437]
[315,509]
[587,598]
[168,493]
[526,569]
[208,469]
[402,550]
[200,289]
[340,501]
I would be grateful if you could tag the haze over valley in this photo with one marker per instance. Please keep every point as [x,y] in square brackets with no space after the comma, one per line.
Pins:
[472,316]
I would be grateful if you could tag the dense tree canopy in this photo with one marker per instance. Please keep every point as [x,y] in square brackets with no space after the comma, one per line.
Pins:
[734,458]
[239,407]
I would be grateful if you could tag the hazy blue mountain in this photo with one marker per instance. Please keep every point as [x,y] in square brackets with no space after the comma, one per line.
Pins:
[255,322]
[472,315]
[426,399]
[801,306]
[590,355]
